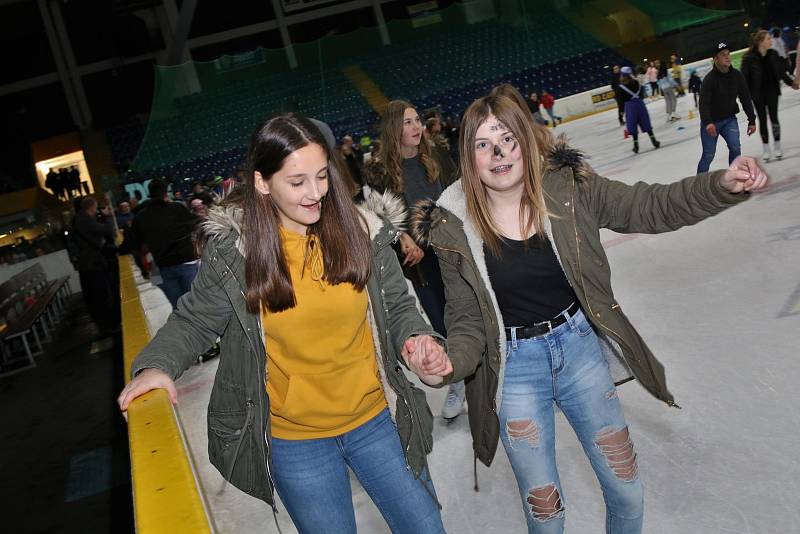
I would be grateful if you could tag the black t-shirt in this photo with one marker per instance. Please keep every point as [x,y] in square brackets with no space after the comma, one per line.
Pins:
[528,281]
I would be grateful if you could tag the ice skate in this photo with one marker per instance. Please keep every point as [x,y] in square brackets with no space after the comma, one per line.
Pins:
[455,401]
[778,151]
[636,147]
[767,155]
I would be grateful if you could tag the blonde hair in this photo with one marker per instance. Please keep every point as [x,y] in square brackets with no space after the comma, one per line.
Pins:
[534,149]
[389,152]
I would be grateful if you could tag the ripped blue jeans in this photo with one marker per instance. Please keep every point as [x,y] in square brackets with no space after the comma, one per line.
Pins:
[566,368]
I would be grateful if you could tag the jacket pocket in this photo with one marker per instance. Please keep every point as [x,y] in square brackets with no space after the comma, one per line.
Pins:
[230,446]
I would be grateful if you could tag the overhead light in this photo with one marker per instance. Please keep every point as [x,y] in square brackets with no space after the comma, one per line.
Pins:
[746,24]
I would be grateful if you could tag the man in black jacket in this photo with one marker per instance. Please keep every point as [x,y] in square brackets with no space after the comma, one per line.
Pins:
[721,87]
[166,228]
[92,239]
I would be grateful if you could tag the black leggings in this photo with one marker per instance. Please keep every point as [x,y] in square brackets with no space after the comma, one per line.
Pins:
[768,103]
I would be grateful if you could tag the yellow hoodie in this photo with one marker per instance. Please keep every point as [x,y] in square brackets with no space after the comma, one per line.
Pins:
[323,375]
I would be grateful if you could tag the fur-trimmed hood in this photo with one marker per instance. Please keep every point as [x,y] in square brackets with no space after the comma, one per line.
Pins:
[381,213]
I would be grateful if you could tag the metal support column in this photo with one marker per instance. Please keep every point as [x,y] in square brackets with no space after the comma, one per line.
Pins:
[72,65]
[376,7]
[63,75]
[283,28]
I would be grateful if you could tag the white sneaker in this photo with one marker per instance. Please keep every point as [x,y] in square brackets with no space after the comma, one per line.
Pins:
[767,152]
[455,400]
[778,151]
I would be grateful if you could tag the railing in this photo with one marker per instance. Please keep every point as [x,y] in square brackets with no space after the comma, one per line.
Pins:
[166,494]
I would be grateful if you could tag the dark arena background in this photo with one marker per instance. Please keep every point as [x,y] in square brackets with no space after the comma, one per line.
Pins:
[99,98]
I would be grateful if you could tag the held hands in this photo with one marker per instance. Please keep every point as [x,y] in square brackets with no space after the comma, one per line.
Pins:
[145,381]
[427,359]
[711,129]
[413,254]
[744,174]
[751,129]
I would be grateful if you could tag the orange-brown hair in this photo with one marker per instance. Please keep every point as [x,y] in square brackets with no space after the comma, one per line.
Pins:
[532,211]
[756,38]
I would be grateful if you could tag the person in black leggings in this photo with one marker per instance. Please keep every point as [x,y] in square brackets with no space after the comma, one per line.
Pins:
[763,69]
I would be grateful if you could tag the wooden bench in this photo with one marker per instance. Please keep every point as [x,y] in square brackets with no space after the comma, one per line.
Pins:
[30,305]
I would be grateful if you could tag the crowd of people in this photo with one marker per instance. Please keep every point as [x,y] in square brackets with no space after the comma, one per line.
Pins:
[355,247]
[65,183]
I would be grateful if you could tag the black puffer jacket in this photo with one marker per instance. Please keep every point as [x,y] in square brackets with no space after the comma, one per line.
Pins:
[758,81]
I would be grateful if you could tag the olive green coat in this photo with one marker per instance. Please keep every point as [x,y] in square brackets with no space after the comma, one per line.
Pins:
[580,202]
[239,435]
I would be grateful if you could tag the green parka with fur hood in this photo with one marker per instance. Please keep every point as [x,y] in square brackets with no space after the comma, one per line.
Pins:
[238,412]
[580,202]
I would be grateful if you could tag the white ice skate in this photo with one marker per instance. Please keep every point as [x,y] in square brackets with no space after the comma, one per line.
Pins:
[767,155]
[455,401]
[778,150]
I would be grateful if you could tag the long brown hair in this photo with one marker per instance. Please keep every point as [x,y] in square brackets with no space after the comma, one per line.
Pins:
[390,155]
[756,38]
[345,244]
[532,211]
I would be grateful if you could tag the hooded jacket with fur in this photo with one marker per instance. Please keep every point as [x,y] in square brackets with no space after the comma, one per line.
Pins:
[238,411]
[579,202]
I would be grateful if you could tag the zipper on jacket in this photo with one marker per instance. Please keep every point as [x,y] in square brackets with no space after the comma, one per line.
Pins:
[583,287]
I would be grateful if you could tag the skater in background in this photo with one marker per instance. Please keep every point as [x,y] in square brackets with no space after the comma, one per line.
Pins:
[677,73]
[763,69]
[615,78]
[721,87]
[652,78]
[694,86]
[668,87]
[636,115]
[548,101]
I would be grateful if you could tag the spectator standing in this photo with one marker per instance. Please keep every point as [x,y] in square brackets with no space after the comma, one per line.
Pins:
[721,87]
[535,106]
[91,241]
[166,228]
[763,69]
[548,102]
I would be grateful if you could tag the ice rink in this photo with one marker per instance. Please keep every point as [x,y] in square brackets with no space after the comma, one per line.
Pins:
[719,305]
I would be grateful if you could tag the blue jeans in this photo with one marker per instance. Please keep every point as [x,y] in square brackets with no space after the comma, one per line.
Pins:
[728,129]
[177,280]
[312,481]
[566,367]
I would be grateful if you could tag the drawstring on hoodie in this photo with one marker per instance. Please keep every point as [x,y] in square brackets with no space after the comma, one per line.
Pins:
[314,259]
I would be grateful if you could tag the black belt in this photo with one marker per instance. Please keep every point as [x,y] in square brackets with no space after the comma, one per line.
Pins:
[540,329]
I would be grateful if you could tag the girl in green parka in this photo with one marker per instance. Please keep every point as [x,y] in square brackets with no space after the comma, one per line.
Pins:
[314,318]
[531,317]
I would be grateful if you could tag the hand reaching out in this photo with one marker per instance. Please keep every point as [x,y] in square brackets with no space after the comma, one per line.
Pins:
[744,174]
[427,359]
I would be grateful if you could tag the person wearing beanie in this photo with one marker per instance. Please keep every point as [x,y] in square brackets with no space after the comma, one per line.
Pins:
[636,115]
[721,87]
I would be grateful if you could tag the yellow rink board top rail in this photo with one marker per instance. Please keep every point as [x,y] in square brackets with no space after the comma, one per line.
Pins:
[166,497]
